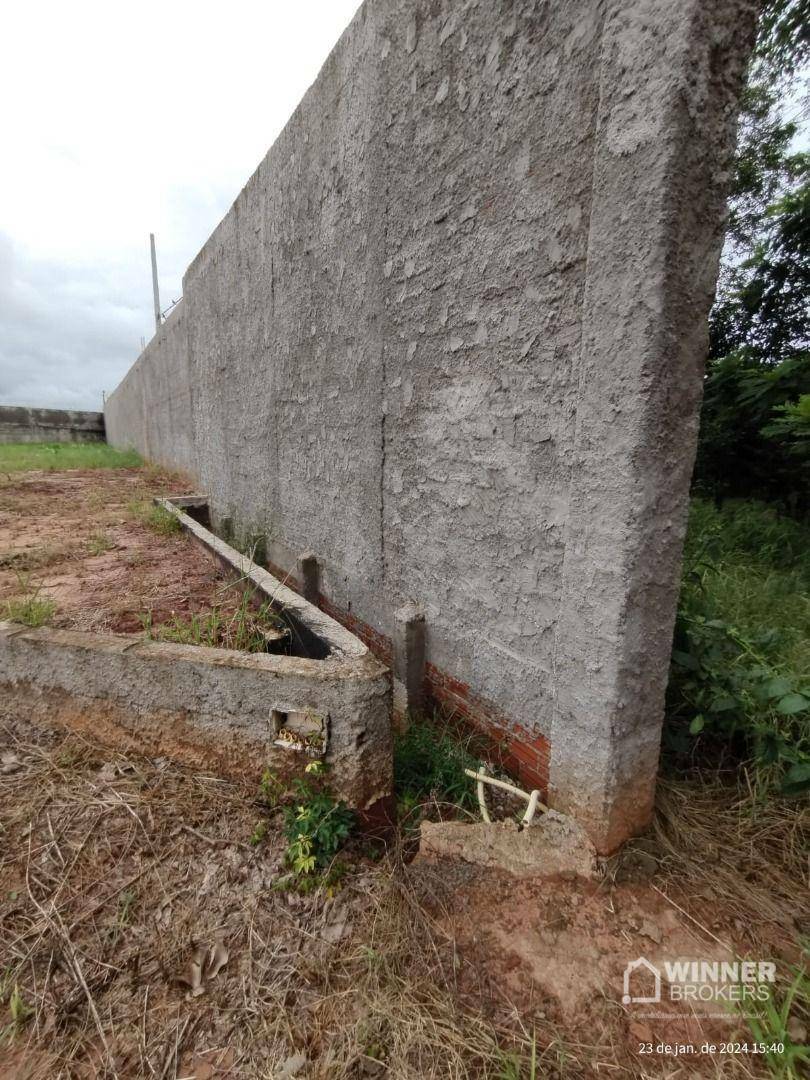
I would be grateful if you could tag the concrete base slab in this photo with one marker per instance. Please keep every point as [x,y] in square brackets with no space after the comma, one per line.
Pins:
[555,844]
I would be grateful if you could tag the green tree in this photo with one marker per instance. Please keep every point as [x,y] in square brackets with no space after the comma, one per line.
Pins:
[759,359]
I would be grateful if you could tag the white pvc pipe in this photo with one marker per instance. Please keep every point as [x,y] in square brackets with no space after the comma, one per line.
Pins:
[532,798]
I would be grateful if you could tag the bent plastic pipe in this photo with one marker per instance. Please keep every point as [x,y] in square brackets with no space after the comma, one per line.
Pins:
[532,798]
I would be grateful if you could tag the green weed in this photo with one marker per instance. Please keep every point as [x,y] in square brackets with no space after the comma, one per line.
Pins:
[245,629]
[429,763]
[19,1010]
[99,543]
[154,517]
[786,1059]
[258,834]
[316,825]
[740,674]
[515,1066]
[271,789]
[29,608]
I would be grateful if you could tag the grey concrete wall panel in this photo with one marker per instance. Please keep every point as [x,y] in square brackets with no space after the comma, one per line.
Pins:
[449,340]
[151,410]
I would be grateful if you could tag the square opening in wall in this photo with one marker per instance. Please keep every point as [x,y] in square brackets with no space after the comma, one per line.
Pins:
[300,729]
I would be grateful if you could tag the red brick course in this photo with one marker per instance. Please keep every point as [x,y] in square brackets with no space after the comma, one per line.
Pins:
[522,753]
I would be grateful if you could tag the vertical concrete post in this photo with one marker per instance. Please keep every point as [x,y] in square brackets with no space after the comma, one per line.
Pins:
[662,148]
[155,291]
[409,660]
[309,575]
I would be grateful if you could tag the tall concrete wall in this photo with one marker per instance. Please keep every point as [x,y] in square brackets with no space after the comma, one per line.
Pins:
[450,338]
[21,424]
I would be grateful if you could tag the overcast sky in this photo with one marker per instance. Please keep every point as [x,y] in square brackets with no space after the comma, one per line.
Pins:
[119,120]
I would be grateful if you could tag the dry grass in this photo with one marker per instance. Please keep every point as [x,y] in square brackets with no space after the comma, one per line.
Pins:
[113,872]
[741,853]
[115,869]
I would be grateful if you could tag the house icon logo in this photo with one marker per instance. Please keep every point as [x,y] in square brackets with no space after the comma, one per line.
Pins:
[641,981]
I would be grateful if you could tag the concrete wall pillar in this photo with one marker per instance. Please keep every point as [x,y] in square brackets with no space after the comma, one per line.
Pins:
[309,576]
[669,80]
[409,660]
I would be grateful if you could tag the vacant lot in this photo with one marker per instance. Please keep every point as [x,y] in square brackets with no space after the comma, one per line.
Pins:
[85,549]
[153,922]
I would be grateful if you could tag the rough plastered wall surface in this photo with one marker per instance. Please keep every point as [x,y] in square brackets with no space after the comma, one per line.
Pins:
[450,339]
[152,405]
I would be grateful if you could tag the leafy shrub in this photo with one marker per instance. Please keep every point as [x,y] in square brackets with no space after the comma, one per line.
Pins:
[740,672]
[316,825]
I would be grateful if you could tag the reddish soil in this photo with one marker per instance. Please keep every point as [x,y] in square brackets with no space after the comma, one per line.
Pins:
[557,950]
[79,538]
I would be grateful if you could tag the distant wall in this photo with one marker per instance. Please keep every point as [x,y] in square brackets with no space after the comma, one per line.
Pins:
[19,424]
[151,409]
[450,338]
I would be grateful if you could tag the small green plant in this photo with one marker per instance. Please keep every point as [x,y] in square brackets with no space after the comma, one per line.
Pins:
[271,789]
[29,608]
[515,1066]
[126,902]
[160,520]
[258,834]
[154,517]
[316,825]
[99,543]
[19,1011]
[772,1029]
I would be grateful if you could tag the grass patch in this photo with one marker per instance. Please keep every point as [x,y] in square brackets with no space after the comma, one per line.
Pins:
[35,558]
[21,457]
[29,607]
[246,629]
[740,675]
[155,517]
[31,610]
[429,764]
[99,543]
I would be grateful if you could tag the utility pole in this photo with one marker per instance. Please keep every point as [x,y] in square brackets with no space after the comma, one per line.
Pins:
[155,292]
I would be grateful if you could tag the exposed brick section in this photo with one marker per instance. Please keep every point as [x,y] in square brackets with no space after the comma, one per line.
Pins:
[522,753]
[290,580]
[379,644]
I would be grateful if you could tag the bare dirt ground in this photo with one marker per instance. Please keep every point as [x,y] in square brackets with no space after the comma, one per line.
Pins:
[79,537]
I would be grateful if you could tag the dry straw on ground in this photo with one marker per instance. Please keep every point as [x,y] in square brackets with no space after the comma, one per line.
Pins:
[142,935]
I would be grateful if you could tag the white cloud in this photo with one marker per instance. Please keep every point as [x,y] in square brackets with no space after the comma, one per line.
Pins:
[118,121]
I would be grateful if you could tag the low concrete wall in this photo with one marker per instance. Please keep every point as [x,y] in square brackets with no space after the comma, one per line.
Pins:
[231,711]
[450,339]
[20,424]
[212,708]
